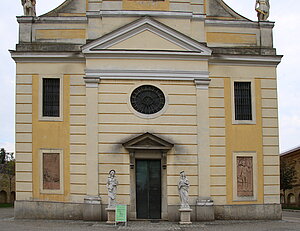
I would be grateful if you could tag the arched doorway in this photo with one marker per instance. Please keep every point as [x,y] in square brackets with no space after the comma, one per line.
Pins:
[3,197]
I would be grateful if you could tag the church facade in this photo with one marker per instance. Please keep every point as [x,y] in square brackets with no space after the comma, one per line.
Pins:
[148,89]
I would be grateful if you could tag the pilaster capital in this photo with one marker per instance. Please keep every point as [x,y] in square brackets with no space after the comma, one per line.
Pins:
[91,82]
[202,83]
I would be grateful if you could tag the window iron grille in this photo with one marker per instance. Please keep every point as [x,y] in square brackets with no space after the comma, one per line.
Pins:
[242,101]
[51,95]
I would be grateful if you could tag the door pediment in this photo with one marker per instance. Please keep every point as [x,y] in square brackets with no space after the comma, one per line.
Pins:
[147,141]
[145,34]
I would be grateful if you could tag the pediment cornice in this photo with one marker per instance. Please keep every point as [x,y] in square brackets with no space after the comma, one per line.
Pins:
[104,44]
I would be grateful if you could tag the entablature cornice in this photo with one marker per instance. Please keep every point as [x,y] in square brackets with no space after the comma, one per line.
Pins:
[218,59]
[245,60]
[143,13]
[239,23]
[146,74]
[58,20]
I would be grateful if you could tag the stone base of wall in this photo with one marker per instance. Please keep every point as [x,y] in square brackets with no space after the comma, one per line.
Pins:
[248,212]
[48,210]
[75,211]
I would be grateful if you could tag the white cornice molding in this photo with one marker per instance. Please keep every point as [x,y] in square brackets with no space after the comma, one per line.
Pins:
[161,55]
[238,23]
[146,74]
[140,25]
[38,57]
[243,60]
[142,13]
[59,20]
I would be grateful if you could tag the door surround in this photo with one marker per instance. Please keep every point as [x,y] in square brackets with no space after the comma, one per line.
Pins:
[148,146]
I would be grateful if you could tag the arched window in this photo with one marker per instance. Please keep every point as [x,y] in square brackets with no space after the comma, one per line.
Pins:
[291,199]
[3,197]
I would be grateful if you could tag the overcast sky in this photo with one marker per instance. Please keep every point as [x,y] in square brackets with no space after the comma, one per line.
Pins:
[286,36]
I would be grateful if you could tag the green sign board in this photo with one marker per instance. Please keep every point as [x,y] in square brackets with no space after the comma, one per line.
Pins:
[121,213]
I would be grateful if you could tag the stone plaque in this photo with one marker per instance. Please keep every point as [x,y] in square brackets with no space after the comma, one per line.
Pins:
[51,171]
[244,176]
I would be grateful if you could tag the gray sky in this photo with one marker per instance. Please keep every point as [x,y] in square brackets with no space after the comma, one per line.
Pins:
[287,29]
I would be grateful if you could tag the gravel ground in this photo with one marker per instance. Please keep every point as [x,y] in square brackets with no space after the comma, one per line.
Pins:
[290,222]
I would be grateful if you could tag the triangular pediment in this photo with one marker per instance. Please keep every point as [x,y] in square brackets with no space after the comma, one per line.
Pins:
[146,34]
[148,141]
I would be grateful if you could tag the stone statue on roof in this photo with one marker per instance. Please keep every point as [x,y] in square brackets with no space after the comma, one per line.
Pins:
[29,7]
[262,8]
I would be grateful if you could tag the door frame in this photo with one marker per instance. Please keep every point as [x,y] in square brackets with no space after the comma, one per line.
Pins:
[148,146]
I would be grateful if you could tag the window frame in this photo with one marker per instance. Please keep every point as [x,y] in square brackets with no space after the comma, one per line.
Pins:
[61,171]
[51,118]
[253,104]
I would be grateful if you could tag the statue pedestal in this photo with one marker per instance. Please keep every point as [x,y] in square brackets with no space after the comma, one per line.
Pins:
[185,216]
[92,208]
[205,209]
[111,215]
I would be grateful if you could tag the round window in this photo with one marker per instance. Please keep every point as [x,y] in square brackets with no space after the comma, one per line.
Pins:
[147,99]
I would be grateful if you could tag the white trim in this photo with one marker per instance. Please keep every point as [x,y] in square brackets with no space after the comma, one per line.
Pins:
[40,100]
[59,20]
[146,116]
[61,171]
[255,176]
[146,74]
[253,101]
[239,23]
[245,60]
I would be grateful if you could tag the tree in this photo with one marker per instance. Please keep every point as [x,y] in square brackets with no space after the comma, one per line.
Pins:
[9,173]
[2,156]
[7,169]
[287,176]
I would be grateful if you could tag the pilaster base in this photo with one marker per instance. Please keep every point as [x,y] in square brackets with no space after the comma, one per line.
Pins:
[111,215]
[205,209]
[92,208]
[185,216]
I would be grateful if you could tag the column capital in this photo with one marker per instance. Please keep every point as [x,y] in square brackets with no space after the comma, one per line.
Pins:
[91,82]
[202,83]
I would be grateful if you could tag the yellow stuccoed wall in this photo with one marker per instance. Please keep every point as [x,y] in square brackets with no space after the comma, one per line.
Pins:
[50,135]
[145,5]
[260,138]
[118,123]
[243,138]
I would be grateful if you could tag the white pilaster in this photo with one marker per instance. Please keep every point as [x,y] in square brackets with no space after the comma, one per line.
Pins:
[203,137]
[92,136]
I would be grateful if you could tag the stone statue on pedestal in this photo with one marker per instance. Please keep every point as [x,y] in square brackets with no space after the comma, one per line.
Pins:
[262,8]
[111,185]
[183,189]
[29,7]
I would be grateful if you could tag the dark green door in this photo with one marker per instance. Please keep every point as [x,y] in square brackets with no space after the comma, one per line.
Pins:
[148,189]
